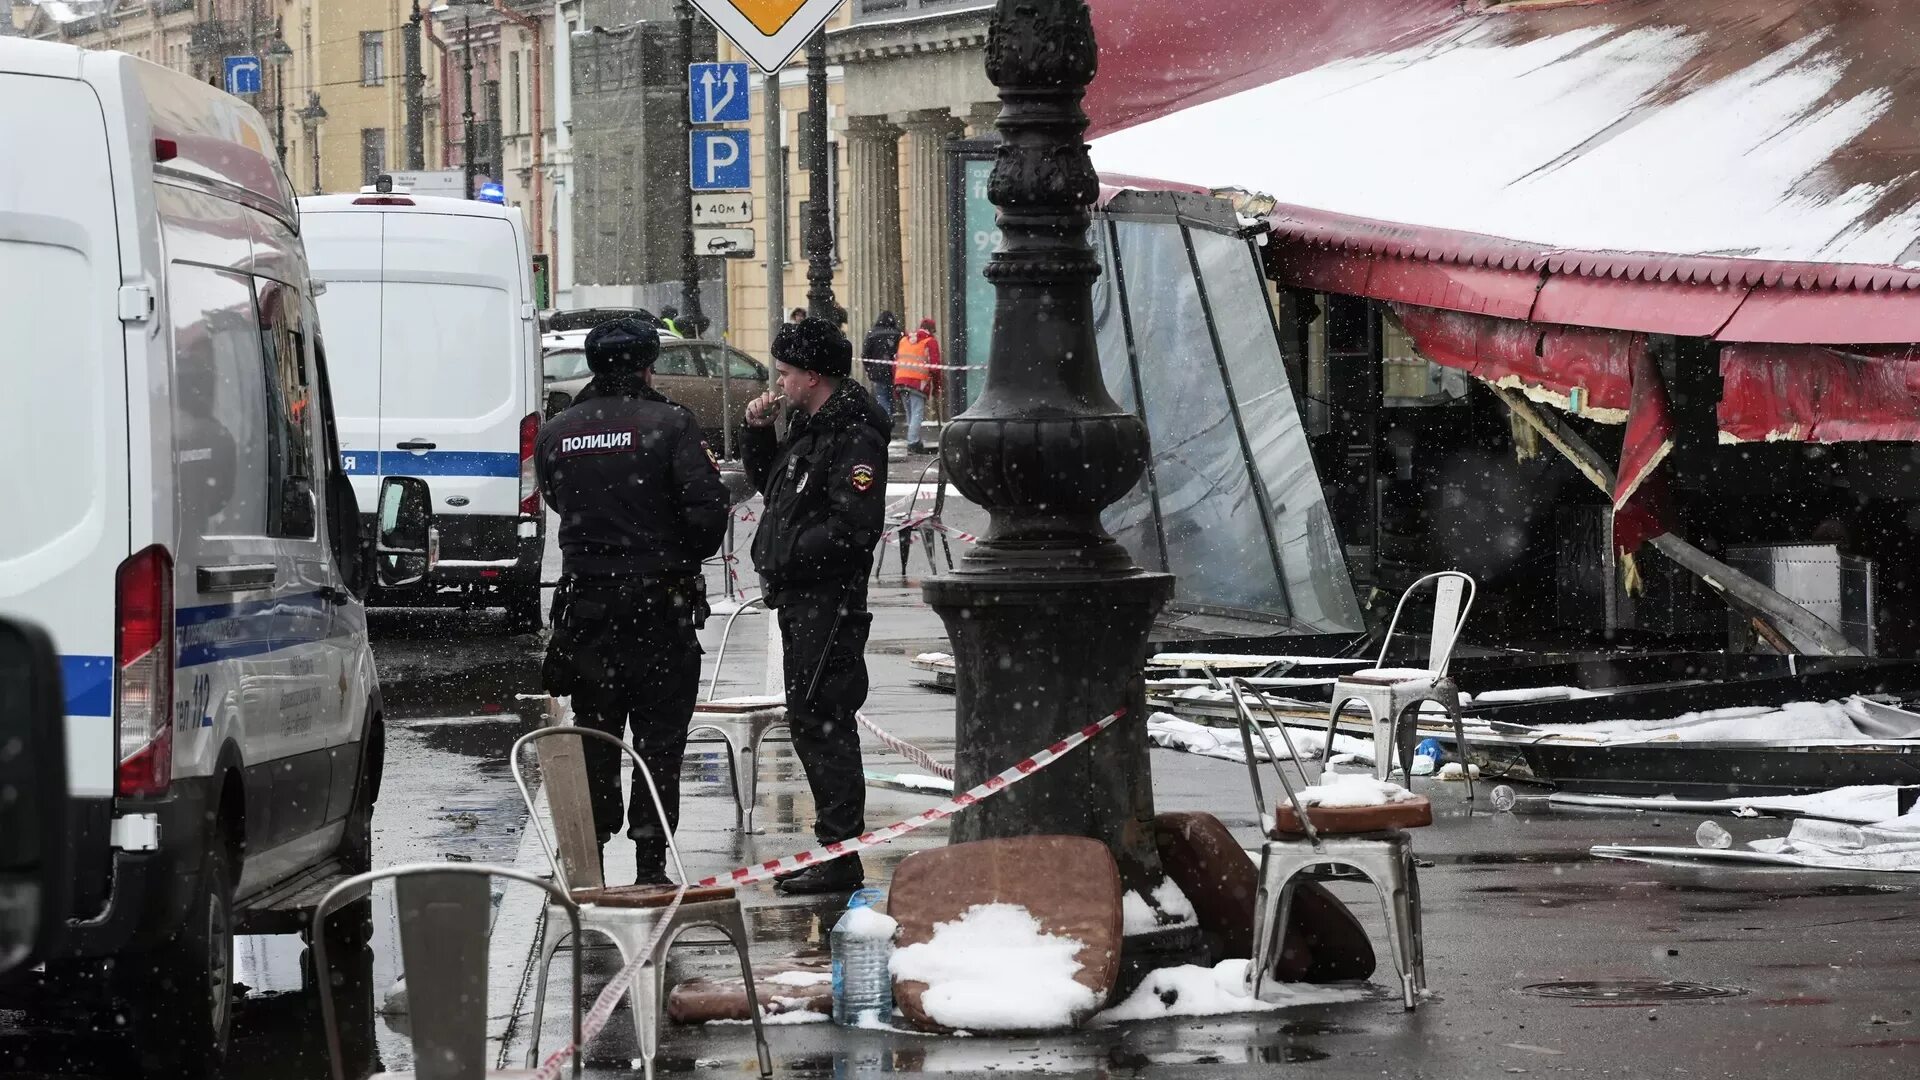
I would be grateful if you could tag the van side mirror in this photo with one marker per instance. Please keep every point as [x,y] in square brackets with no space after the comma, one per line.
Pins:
[35,874]
[406,542]
[558,401]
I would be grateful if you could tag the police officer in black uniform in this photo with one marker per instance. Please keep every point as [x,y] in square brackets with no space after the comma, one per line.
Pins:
[640,504]
[826,492]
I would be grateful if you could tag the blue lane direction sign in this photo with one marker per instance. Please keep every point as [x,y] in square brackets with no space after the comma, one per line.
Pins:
[243,74]
[717,93]
[721,161]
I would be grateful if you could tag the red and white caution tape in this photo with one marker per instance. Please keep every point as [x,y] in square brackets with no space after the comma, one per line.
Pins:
[750,875]
[602,1011]
[931,366]
[904,748]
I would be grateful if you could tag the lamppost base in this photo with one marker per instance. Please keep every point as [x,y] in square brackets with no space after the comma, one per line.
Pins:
[1038,657]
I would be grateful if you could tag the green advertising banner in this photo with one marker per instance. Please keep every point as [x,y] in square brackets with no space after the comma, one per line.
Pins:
[981,239]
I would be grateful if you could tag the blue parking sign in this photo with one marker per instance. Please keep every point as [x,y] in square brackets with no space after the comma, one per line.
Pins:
[720,161]
[717,93]
[243,74]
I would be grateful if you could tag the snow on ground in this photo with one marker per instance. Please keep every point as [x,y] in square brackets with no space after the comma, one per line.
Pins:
[1170,732]
[1797,721]
[1190,990]
[1582,116]
[799,978]
[993,969]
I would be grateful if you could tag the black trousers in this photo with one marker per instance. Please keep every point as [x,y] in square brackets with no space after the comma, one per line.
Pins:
[824,733]
[636,665]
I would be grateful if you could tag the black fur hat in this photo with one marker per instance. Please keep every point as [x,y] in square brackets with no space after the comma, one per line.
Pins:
[814,345]
[622,346]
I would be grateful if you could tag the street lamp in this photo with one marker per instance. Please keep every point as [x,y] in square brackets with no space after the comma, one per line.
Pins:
[466,69]
[1048,614]
[311,118]
[278,52]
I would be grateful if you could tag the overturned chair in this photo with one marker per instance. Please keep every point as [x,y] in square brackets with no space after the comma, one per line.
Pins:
[446,920]
[630,916]
[1369,840]
[1393,696]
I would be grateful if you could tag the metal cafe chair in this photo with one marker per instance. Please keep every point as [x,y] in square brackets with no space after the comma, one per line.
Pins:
[743,726]
[1393,696]
[628,915]
[445,912]
[1370,840]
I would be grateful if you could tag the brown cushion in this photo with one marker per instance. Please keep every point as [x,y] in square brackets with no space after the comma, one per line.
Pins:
[1323,942]
[648,896]
[1068,883]
[1353,819]
[696,1001]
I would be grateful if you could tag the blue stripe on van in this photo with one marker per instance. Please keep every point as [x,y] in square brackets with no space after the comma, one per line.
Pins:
[430,463]
[214,632]
[88,681]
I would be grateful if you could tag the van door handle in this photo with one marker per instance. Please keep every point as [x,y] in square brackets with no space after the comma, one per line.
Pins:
[415,444]
[219,579]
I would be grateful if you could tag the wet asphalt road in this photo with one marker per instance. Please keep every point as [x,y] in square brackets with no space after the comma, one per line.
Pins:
[1789,974]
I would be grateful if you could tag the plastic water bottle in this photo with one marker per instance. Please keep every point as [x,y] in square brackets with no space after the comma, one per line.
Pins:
[1504,799]
[862,943]
[1710,834]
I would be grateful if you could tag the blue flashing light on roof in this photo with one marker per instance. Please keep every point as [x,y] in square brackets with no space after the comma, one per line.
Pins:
[493,193]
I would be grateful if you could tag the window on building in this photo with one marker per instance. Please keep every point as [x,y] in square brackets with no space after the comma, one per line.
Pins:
[513,84]
[373,57]
[373,153]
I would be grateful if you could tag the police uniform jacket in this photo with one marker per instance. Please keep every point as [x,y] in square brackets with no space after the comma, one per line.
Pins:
[638,493]
[826,490]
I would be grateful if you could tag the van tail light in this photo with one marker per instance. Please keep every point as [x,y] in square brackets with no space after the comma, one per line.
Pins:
[529,480]
[383,200]
[143,672]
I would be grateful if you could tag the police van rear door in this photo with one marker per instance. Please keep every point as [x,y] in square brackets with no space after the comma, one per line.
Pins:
[346,251]
[63,423]
[453,380]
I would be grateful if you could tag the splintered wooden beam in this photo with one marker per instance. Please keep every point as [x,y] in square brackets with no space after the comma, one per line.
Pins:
[1804,631]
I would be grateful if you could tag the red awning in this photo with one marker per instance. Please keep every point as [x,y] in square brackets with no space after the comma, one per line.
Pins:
[1806,393]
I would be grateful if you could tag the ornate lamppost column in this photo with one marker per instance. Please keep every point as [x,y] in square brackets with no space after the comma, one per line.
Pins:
[1048,614]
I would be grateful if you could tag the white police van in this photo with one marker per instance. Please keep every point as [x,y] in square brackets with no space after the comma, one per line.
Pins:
[431,326]
[179,522]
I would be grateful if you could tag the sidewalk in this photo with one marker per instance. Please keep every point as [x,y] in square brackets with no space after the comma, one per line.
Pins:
[1818,969]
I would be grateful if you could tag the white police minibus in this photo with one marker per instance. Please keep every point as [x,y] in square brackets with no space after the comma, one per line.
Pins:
[177,519]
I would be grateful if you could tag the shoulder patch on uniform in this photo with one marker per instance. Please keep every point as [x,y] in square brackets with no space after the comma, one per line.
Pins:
[862,477]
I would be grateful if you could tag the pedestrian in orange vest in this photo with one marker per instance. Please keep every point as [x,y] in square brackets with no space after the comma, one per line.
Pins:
[916,364]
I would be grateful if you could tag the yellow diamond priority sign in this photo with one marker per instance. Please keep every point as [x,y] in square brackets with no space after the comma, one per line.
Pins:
[768,31]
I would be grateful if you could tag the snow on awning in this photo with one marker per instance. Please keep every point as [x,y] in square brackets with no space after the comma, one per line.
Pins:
[1667,149]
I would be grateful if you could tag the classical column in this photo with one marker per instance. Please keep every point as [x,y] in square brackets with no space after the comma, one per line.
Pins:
[873,256]
[928,132]
[1048,614]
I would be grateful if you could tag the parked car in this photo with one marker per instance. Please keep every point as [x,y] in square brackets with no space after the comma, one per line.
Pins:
[181,526]
[429,310]
[688,372]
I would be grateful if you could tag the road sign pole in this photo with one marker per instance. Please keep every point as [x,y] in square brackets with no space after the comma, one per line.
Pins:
[776,206]
[820,303]
[689,265]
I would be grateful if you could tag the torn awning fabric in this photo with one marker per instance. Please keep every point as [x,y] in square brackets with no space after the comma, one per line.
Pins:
[1811,393]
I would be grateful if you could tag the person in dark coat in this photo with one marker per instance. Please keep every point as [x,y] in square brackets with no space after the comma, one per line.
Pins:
[641,505]
[825,489]
[877,357]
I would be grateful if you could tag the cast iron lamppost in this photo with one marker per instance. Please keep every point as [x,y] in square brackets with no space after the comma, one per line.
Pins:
[278,52]
[1048,614]
[690,314]
[416,93]
[311,118]
[820,303]
[466,70]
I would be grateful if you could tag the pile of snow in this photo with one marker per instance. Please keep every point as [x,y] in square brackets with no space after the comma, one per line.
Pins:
[933,658]
[1167,907]
[993,969]
[1169,731]
[923,782]
[1854,720]
[799,978]
[867,924]
[1190,990]
[1352,789]
[1529,693]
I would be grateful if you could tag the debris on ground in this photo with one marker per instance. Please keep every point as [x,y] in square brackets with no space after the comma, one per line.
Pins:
[1191,990]
[1889,846]
[1172,733]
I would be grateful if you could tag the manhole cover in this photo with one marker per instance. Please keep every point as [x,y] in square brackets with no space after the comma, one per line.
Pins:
[1630,990]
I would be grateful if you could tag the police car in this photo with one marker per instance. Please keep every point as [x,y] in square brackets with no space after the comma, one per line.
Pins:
[179,522]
